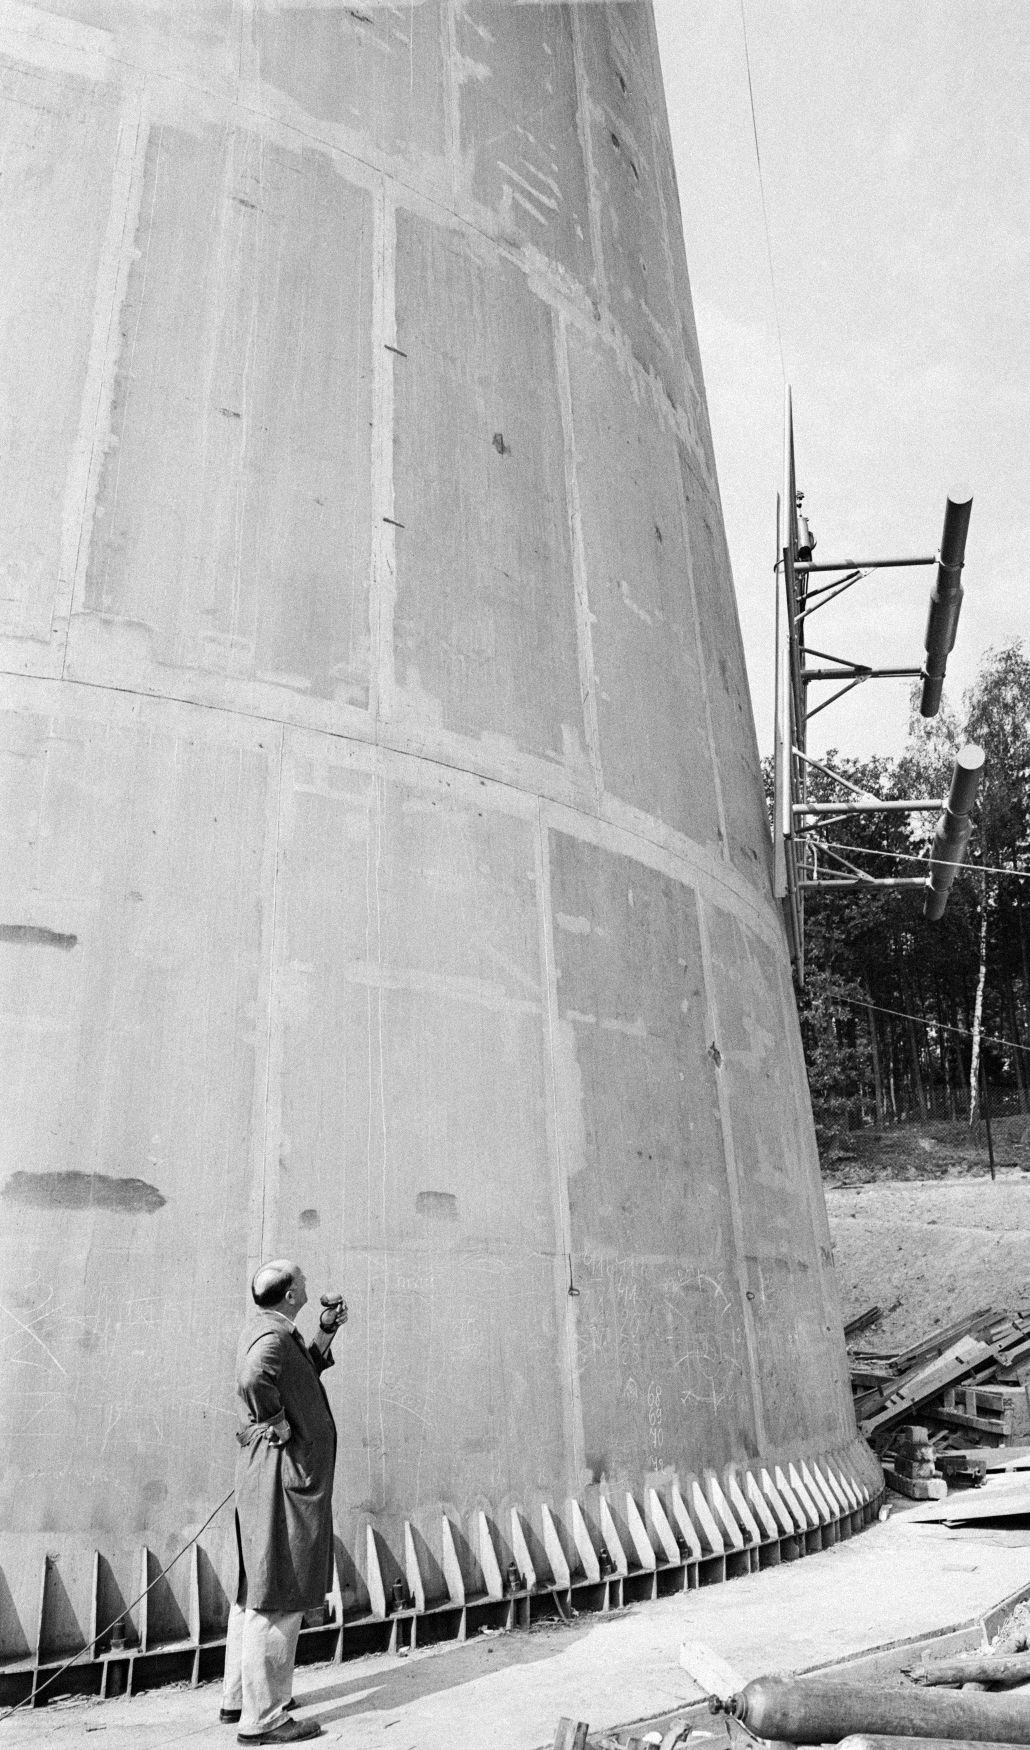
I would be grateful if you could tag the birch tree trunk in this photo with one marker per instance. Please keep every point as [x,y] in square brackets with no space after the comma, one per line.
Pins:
[974,1067]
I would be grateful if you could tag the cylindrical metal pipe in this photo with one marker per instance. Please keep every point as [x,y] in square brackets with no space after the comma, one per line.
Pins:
[965,779]
[806,1712]
[953,830]
[1005,1673]
[865,564]
[876,805]
[874,1741]
[945,600]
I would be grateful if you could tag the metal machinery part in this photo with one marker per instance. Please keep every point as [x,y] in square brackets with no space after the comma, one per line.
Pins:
[386,879]
[803,859]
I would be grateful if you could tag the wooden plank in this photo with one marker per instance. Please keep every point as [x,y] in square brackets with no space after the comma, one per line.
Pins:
[998,1397]
[926,1383]
[870,1374]
[862,1322]
[941,1340]
[917,1488]
[999,1426]
[1012,1373]
[971,1356]
[571,1735]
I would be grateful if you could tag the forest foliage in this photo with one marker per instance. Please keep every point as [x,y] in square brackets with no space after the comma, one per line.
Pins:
[887,1008]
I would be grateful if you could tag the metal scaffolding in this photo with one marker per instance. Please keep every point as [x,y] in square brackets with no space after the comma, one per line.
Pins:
[804,860]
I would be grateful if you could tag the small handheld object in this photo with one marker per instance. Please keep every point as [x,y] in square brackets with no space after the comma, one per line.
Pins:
[334,1314]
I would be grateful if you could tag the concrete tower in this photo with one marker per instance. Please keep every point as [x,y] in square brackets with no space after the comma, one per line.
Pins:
[385,877]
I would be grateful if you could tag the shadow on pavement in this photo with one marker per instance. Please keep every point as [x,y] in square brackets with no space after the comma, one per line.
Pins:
[438,1670]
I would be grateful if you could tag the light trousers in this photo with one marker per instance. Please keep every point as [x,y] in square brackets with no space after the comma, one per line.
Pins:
[260,1648]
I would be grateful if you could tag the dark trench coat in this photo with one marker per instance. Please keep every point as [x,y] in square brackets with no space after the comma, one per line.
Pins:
[284,1521]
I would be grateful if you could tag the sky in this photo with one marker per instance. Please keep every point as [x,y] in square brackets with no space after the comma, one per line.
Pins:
[894,138]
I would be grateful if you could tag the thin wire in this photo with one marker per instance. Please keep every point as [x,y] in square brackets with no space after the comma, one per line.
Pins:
[30,1699]
[761,190]
[910,857]
[923,1021]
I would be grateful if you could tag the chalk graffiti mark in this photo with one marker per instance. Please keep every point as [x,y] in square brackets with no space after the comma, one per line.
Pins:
[31,1333]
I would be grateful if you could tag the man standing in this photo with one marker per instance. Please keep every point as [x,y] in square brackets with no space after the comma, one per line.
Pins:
[284,1486]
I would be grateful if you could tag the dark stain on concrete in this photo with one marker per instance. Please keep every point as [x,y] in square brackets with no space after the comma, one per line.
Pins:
[309,1218]
[83,1191]
[33,936]
[437,1205]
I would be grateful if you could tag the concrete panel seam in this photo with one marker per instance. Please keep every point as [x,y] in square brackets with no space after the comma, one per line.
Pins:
[253,105]
[376,1085]
[815,1205]
[268,1199]
[732,1182]
[694,864]
[98,395]
[383,580]
[586,144]
[673,854]
[702,677]
[551,283]
[38,39]
[247,49]
[670,277]
[584,638]
[576,1453]
[452,95]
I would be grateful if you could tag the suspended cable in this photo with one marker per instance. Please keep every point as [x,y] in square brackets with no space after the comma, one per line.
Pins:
[30,1700]
[924,1021]
[911,857]
[761,190]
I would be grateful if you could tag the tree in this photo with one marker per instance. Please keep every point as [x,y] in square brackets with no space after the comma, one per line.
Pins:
[890,999]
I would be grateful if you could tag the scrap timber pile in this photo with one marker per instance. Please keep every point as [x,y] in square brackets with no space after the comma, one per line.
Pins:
[926,1408]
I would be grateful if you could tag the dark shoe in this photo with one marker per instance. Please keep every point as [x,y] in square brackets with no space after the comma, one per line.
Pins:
[290,1732]
[228,1716]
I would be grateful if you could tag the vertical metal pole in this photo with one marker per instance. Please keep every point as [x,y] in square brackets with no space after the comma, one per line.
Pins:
[987,1118]
[782,821]
[795,715]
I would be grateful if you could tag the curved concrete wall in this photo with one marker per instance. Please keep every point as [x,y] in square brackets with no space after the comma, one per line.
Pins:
[385,873]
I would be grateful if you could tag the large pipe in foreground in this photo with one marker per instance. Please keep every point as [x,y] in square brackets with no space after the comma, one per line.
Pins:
[946,600]
[882,1741]
[808,1712]
[953,830]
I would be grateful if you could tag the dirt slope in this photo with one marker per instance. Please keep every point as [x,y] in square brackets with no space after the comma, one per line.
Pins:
[939,1247]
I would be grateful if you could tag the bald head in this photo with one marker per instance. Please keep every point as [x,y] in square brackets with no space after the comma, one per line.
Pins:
[276,1284]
